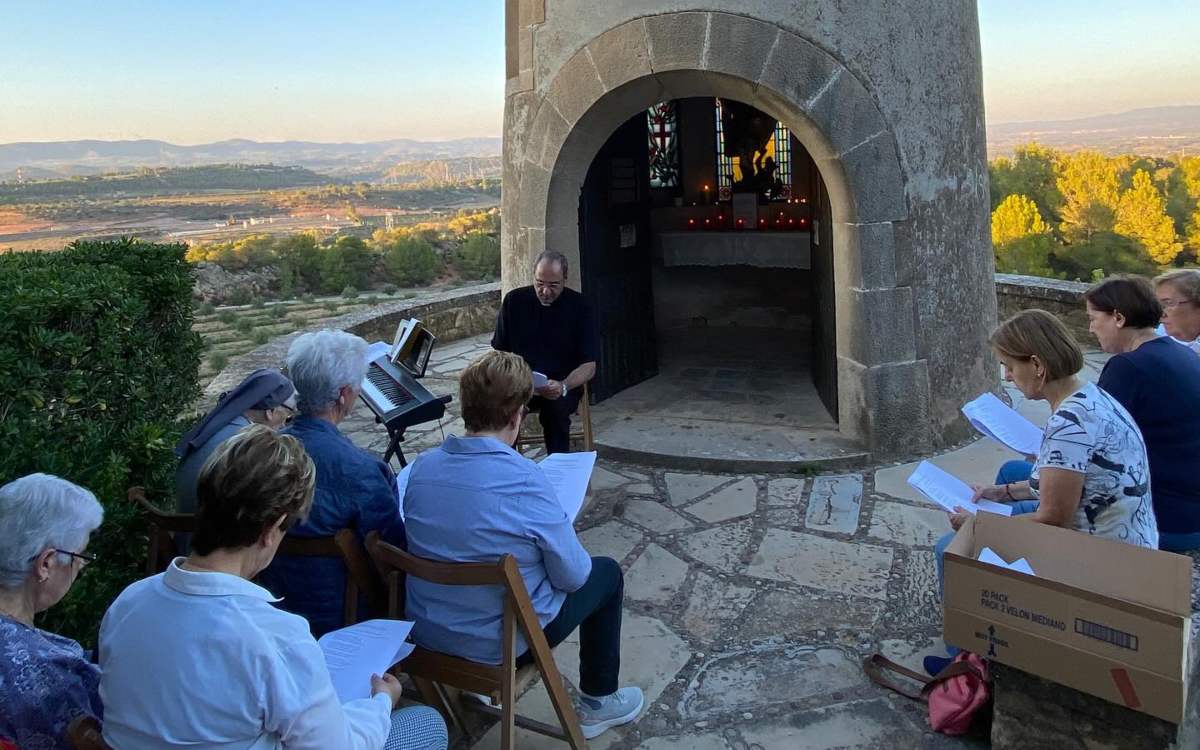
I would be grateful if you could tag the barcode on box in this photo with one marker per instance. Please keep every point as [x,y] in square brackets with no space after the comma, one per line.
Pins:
[1108,635]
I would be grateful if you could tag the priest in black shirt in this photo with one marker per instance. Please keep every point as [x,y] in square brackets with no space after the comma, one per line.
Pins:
[552,328]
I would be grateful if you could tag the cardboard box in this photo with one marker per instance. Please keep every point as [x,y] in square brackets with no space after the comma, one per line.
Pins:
[1101,616]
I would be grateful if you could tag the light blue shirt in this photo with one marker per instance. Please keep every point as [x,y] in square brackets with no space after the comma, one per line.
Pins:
[474,499]
[203,661]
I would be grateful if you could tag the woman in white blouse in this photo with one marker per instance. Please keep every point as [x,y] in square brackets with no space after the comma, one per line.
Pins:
[197,657]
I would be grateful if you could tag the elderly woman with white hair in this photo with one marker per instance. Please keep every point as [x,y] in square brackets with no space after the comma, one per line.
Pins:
[355,489]
[1178,292]
[46,680]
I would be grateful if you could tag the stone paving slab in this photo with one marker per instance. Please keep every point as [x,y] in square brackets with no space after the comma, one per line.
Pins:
[736,500]
[834,504]
[828,564]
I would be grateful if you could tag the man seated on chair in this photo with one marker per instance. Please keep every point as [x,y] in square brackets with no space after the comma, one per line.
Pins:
[355,489]
[474,499]
[552,328]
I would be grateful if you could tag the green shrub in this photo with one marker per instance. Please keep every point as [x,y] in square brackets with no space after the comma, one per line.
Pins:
[239,296]
[308,299]
[227,317]
[298,320]
[479,257]
[331,305]
[218,360]
[372,300]
[347,262]
[261,336]
[244,325]
[207,308]
[98,357]
[258,304]
[279,311]
[411,261]
[349,293]
[389,288]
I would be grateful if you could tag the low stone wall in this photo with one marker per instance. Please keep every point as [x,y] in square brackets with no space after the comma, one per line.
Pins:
[451,314]
[1063,298]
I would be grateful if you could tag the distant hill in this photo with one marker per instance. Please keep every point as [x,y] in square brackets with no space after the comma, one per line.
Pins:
[162,181]
[1153,131]
[68,158]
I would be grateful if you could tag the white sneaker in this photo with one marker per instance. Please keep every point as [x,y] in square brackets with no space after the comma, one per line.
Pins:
[599,714]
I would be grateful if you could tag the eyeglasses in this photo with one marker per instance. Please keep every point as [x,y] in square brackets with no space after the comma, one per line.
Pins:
[1171,304]
[291,413]
[86,558]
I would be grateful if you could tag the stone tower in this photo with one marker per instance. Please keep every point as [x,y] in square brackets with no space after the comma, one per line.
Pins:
[886,98]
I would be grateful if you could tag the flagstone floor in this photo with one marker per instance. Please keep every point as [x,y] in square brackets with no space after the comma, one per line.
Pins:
[752,599]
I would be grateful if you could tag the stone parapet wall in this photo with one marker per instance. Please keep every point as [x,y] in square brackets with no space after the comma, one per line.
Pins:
[451,314]
[1063,298]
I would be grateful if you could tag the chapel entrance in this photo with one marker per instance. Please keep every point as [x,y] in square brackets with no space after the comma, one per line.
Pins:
[706,251]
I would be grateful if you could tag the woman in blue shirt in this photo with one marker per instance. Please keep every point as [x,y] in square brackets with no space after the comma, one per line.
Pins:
[1157,380]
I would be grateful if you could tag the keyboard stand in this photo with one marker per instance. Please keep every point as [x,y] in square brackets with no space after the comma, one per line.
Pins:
[394,449]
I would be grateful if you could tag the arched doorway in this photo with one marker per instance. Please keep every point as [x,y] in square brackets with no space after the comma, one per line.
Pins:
[706,250]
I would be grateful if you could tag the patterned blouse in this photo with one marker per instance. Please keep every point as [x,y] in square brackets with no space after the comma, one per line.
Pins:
[46,680]
[1092,434]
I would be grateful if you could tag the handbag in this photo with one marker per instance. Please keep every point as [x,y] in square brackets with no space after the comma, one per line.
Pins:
[955,696]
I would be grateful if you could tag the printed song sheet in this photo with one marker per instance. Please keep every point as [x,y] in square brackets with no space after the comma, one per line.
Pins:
[1002,423]
[950,492]
[539,380]
[356,652]
[376,350]
[569,474]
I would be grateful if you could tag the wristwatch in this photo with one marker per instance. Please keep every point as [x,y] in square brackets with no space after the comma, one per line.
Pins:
[564,392]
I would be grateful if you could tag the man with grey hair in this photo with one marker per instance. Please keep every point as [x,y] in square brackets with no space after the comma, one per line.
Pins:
[354,488]
[551,327]
[46,680]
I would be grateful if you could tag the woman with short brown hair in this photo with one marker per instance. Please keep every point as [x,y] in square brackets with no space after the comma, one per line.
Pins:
[197,657]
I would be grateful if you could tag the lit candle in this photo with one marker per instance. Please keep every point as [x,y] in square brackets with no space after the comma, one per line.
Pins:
[706,193]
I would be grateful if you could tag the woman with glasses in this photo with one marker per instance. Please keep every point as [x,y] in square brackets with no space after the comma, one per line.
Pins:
[198,657]
[1179,294]
[265,397]
[46,680]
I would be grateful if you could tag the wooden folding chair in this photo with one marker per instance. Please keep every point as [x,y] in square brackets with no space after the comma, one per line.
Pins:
[83,733]
[531,429]
[430,669]
[163,528]
[361,576]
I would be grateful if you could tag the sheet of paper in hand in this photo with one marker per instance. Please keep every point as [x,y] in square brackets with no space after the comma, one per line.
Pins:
[1002,423]
[950,492]
[356,652]
[539,380]
[569,474]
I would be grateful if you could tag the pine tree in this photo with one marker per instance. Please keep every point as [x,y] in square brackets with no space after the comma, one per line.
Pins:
[1088,183]
[1017,216]
[1142,216]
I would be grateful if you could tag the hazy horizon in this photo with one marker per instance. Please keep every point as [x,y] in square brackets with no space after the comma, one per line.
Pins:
[375,70]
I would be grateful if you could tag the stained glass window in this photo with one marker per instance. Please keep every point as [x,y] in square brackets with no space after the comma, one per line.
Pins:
[773,177]
[663,141]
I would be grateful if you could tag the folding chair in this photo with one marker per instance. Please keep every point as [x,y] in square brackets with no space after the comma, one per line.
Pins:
[431,670]
[83,733]
[361,577]
[163,528]
[531,429]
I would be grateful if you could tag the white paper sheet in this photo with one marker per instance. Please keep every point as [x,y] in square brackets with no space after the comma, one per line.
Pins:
[1021,565]
[569,474]
[950,492]
[377,350]
[1002,423]
[356,652]
[539,380]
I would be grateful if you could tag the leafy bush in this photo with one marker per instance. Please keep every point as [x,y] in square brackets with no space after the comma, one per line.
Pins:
[98,356]
[298,320]
[227,317]
[239,296]
[279,311]
[349,293]
[258,304]
[244,325]
[479,257]
[261,336]
[218,360]
[308,299]
[372,300]
[331,305]
[207,308]
[411,261]
[348,262]
[389,288]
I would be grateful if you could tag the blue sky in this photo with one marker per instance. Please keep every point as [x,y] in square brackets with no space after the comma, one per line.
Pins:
[191,71]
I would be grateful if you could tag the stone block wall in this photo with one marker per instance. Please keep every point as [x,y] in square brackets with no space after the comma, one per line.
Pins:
[1063,298]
